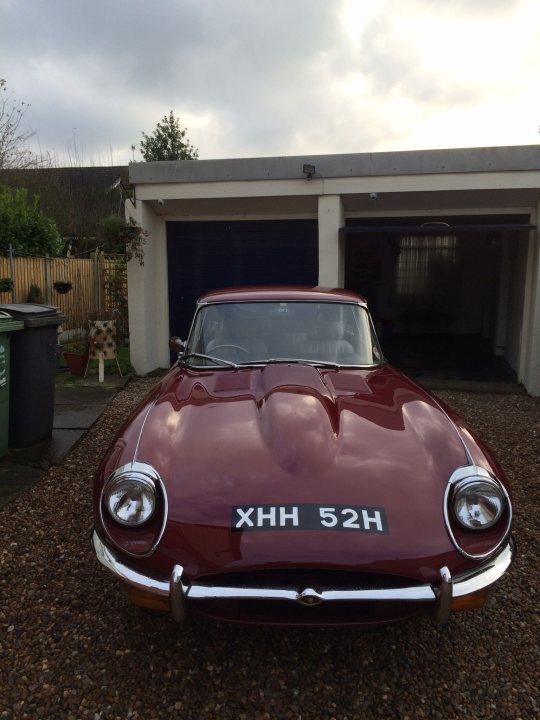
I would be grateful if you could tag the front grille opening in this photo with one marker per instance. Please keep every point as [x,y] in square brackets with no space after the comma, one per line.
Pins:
[299,579]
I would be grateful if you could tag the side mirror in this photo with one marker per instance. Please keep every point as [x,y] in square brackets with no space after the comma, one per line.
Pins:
[176,345]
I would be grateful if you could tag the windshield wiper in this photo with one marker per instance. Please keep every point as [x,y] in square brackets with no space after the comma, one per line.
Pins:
[217,360]
[296,361]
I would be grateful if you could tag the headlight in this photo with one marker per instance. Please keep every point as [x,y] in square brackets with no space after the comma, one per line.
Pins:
[130,498]
[477,503]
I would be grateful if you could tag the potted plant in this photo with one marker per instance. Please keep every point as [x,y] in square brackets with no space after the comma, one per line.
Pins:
[75,352]
[62,286]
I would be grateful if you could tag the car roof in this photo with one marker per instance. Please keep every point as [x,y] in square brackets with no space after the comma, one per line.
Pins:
[281,292]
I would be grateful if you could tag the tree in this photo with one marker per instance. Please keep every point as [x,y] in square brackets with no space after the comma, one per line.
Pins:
[167,142]
[24,226]
[14,152]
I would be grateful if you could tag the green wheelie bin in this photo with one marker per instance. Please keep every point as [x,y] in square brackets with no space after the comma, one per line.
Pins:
[7,326]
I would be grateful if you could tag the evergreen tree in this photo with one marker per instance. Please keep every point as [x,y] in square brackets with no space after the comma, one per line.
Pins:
[168,142]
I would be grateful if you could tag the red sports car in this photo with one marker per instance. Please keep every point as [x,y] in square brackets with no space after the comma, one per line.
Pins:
[283,473]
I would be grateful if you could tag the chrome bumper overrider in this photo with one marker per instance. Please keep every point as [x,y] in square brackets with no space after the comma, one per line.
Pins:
[441,593]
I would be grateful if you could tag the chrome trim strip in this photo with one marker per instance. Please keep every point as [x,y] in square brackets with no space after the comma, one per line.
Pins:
[462,473]
[468,456]
[128,575]
[142,429]
[327,299]
[486,574]
[205,592]
[408,594]
[440,593]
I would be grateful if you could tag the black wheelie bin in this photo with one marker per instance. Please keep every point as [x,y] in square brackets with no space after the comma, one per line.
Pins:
[33,370]
[7,326]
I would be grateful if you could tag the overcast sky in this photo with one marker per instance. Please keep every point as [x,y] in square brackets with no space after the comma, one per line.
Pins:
[255,78]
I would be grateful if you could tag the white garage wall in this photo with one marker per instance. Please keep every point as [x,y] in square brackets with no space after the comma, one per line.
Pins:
[148,295]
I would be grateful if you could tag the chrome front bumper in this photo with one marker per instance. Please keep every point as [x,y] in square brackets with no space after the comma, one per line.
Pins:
[440,594]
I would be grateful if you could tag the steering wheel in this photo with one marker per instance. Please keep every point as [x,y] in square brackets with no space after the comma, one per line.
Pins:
[228,345]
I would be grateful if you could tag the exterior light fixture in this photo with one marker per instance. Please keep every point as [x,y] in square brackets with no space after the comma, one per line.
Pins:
[309,171]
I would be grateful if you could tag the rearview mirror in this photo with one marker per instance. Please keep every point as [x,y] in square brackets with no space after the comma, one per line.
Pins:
[176,345]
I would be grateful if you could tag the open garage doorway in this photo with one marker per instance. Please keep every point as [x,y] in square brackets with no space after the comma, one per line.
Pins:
[447,297]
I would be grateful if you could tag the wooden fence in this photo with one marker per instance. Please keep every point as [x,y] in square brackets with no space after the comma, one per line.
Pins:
[99,287]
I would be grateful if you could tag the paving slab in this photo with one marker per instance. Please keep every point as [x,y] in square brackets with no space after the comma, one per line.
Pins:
[80,407]
[49,452]
[78,403]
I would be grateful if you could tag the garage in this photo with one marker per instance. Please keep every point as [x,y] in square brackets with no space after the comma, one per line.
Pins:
[207,255]
[443,243]
[444,294]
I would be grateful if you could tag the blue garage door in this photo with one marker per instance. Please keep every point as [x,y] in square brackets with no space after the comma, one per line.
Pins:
[204,256]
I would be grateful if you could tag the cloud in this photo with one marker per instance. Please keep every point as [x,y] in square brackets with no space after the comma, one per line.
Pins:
[250,77]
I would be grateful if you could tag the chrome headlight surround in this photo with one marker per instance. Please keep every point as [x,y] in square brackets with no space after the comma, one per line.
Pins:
[149,479]
[468,477]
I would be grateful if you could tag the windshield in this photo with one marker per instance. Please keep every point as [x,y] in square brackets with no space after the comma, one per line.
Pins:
[247,333]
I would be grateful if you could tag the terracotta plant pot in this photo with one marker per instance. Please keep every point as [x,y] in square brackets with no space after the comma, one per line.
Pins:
[76,362]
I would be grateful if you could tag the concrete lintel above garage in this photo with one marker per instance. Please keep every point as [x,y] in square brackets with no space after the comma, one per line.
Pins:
[413,162]
[436,181]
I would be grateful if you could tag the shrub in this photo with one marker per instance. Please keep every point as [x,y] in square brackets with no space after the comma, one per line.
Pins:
[24,226]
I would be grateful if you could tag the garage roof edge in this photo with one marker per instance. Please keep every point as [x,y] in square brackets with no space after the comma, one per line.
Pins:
[410,162]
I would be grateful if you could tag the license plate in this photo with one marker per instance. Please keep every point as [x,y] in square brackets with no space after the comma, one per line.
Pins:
[354,518]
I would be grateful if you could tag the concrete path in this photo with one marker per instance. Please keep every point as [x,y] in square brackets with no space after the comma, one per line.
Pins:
[78,404]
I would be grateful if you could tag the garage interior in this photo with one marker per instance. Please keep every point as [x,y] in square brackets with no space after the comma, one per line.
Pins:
[443,294]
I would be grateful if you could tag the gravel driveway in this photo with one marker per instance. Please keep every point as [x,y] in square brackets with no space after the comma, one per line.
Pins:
[71,646]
